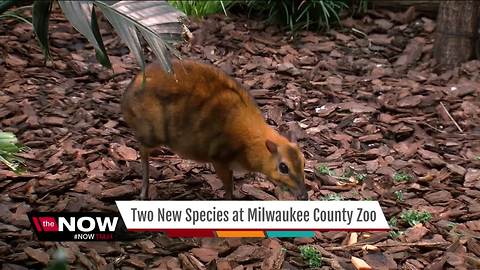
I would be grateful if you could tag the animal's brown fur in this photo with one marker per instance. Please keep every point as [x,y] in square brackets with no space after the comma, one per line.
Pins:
[202,114]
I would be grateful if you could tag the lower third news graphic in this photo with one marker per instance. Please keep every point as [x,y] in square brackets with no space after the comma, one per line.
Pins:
[89,226]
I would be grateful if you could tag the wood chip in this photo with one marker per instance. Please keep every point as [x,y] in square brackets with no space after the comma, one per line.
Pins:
[360,264]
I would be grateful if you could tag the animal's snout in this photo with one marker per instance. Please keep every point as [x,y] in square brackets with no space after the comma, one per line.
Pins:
[302,194]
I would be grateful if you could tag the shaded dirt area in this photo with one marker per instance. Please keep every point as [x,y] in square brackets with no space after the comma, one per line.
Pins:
[374,120]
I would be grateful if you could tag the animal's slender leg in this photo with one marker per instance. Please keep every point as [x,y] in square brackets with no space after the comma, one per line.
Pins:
[144,154]
[226,175]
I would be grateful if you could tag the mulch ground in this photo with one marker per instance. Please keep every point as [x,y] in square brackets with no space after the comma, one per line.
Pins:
[375,119]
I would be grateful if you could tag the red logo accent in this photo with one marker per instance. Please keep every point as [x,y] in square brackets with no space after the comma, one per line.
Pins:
[49,224]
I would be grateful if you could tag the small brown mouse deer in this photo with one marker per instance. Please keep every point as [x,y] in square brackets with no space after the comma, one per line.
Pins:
[202,114]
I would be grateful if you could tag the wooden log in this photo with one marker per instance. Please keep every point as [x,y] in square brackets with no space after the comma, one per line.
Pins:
[429,8]
[456,32]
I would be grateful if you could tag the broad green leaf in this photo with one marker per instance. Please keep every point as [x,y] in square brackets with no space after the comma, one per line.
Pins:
[6,5]
[126,32]
[158,16]
[8,138]
[40,17]
[159,47]
[8,149]
[79,13]
[158,22]
[98,37]
[9,164]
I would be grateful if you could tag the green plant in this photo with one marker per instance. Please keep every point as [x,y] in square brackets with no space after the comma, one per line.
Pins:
[452,225]
[130,19]
[398,195]
[402,177]
[323,169]
[311,256]
[332,197]
[9,147]
[348,176]
[16,14]
[393,222]
[359,6]
[301,14]
[414,217]
[360,177]
[59,261]
[200,8]
[394,234]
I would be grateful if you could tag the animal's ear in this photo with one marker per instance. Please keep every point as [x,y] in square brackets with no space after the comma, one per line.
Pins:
[291,136]
[271,146]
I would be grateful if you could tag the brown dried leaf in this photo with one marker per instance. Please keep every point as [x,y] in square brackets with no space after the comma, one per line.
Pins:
[472,178]
[124,152]
[246,253]
[9,266]
[438,196]
[15,61]
[205,255]
[214,182]
[136,261]
[415,233]
[324,47]
[53,120]
[473,225]
[356,107]
[257,193]
[412,52]
[274,259]
[118,192]
[380,261]
[37,254]
[410,101]
[223,264]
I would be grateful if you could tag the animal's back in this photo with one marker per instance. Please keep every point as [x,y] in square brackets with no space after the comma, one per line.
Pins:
[199,111]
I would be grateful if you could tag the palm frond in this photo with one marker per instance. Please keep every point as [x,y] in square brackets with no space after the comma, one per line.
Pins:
[9,147]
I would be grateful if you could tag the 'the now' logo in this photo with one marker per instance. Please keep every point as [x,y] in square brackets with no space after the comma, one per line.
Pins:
[70,226]
[83,224]
[48,224]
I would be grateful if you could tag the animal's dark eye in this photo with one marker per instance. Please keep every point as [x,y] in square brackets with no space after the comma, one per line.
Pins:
[283,168]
